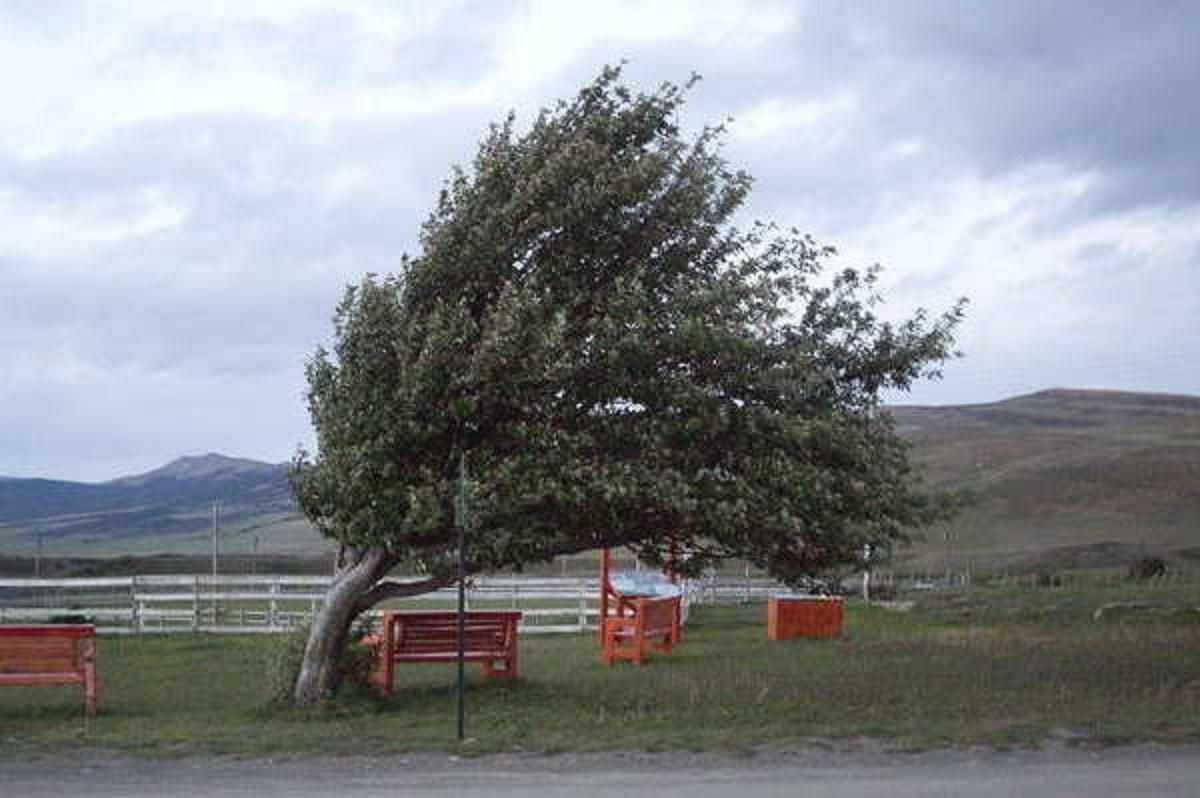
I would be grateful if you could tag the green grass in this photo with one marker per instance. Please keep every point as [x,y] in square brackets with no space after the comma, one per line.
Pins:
[995,666]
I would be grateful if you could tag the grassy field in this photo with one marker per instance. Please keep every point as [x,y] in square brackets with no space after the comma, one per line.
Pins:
[993,665]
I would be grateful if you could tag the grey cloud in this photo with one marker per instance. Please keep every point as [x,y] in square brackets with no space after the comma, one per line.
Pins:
[1103,86]
[216,315]
[254,259]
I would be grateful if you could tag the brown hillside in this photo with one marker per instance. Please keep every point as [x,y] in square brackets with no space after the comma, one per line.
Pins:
[1061,470]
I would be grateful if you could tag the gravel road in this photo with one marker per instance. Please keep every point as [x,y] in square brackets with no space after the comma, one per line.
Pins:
[1060,771]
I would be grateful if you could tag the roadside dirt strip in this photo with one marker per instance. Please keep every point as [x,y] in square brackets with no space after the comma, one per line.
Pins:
[844,772]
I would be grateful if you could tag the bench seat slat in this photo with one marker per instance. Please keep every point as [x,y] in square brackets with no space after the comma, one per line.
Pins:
[443,645]
[444,656]
[14,646]
[442,634]
[41,677]
[32,664]
[51,630]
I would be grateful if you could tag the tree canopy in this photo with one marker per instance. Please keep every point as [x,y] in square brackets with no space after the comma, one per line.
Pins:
[621,364]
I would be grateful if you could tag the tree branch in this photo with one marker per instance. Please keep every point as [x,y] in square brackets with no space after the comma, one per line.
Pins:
[387,589]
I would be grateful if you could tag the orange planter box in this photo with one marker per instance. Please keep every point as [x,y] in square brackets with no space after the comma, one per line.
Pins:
[803,616]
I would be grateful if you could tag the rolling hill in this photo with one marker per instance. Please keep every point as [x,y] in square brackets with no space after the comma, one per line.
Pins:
[168,509]
[1060,478]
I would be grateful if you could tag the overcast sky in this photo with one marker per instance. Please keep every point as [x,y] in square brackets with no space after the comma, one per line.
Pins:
[185,188]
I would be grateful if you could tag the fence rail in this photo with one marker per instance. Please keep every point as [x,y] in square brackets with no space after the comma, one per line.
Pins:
[268,604]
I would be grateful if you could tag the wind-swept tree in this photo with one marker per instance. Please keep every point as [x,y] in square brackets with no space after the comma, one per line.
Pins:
[619,364]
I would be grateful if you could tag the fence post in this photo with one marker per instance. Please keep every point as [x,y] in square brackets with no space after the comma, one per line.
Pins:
[135,607]
[273,609]
[195,604]
[583,607]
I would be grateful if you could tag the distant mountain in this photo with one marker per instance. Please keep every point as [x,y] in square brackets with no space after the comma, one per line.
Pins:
[1065,477]
[1056,478]
[168,509]
[207,466]
[186,481]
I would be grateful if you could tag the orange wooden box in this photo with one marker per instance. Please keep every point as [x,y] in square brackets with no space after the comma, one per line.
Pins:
[803,616]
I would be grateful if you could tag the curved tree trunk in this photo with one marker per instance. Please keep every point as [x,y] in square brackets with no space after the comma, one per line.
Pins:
[357,586]
[352,583]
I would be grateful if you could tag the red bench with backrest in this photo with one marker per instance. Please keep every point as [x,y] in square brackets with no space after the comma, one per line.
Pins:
[424,636]
[51,654]
[653,624]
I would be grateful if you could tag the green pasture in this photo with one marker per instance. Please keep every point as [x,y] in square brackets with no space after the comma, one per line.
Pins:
[993,665]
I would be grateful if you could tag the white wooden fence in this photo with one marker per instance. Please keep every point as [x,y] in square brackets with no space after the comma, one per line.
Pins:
[237,604]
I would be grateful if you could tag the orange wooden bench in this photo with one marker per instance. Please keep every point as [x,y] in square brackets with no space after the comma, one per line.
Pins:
[652,624]
[51,654]
[490,638]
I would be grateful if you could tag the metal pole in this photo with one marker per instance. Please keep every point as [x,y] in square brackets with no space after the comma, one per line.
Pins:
[605,566]
[216,532]
[216,536]
[462,595]
[254,558]
[37,562]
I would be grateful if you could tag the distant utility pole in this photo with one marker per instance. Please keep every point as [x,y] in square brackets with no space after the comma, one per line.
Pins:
[37,561]
[254,558]
[946,536]
[216,535]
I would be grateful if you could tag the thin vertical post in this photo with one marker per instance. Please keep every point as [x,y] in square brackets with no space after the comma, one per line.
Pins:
[866,580]
[37,562]
[216,537]
[582,607]
[461,511]
[672,555]
[216,533]
[137,617]
[605,569]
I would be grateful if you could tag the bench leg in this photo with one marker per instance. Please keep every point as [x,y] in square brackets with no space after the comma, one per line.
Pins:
[608,644]
[385,666]
[507,671]
[91,688]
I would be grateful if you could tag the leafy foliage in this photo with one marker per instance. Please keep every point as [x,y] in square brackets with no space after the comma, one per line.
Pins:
[619,363]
